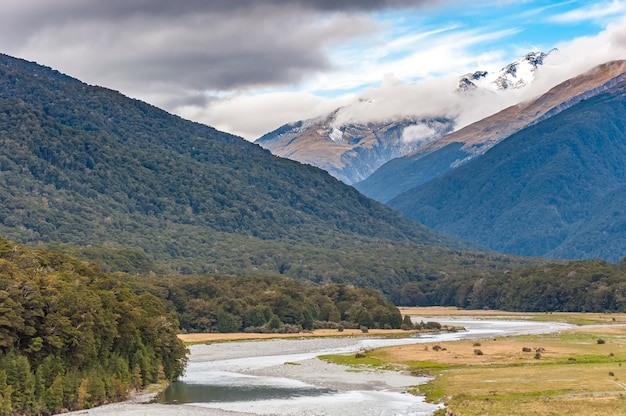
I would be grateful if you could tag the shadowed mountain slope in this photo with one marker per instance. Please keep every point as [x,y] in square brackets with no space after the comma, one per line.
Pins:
[455,149]
[555,188]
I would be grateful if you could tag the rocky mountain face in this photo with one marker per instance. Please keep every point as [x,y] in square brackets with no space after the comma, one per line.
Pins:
[455,149]
[555,187]
[351,151]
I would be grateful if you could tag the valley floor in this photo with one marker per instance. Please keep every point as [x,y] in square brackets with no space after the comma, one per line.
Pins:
[575,373]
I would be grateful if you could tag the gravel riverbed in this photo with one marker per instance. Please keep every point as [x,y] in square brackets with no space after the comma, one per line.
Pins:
[280,359]
[287,363]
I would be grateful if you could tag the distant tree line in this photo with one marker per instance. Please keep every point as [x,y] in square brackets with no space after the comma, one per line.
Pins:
[576,286]
[268,304]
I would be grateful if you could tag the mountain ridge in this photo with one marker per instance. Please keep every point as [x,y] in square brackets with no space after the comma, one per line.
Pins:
[551,189]
[137,189]
[402,174]
[351,146]
[78,143]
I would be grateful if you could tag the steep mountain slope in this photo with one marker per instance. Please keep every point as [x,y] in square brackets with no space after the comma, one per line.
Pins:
[457,148]
[554,188]
[351,146]
[95,161]
[137,189]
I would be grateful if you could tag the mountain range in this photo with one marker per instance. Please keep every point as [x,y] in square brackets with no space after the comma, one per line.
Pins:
[552,182]
[457,148]
[118,181]
[351,146]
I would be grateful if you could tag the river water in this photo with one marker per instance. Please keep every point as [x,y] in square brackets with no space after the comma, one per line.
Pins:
[284,377]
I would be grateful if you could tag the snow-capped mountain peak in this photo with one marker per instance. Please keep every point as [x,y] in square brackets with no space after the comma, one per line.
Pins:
[398,118]
[515,75]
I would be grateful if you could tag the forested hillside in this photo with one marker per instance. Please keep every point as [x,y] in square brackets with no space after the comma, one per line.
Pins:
[553,189]
[137,189]
[267,304]
[96,165]
[72,337]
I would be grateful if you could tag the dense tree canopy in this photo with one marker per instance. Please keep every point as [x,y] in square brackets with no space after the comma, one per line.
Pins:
[577,286]
[135,189]
[268,304]
[86,165]
[72,337]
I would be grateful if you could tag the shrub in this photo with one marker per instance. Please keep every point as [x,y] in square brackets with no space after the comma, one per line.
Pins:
[432,325]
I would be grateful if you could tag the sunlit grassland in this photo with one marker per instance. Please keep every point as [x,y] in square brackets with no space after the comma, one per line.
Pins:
[572,374]
[577,372]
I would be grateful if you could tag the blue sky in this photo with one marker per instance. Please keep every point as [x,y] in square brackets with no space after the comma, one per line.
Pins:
[485,33]
[249,66]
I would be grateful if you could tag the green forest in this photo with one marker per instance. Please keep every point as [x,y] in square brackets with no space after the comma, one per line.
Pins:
[576,286]
[268,304]
[109,179]
[72,337]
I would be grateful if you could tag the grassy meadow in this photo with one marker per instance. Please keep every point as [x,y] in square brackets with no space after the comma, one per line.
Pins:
[576,372]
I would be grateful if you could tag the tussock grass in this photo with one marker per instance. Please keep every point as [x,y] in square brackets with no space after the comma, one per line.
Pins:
[574,375]
[353,361]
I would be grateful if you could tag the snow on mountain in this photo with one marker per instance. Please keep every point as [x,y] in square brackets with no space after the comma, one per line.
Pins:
[398,118]
[515,75]
[461,146]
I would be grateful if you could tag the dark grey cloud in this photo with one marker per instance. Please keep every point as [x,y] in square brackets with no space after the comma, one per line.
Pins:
[172,52]
[228,6]
[215,44]
[118,8]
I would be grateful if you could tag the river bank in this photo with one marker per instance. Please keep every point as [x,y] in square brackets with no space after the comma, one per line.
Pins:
[286,365]
[579,371]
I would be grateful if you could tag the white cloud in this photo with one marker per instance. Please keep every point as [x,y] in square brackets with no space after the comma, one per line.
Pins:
[172,53]
[418,133]
[599,10]
[251,116]
[445,57]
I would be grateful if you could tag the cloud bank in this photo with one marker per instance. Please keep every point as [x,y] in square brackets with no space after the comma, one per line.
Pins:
[249,66]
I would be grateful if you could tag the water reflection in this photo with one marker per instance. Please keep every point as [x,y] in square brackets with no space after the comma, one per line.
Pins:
[181,393]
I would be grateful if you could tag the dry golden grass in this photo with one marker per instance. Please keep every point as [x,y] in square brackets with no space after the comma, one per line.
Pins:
[505,351]
[574,375]
[544,406]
